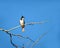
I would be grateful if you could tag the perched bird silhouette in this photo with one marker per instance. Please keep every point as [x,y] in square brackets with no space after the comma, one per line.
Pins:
[22,23]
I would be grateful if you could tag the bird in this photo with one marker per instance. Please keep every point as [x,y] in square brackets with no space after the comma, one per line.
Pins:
[22,23]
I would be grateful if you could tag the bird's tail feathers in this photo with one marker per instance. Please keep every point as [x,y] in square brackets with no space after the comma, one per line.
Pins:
[22,29]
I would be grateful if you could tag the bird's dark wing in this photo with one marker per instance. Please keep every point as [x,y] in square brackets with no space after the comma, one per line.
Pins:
[24,22]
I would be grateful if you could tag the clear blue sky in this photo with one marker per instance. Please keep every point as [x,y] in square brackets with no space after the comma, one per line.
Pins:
[36,10]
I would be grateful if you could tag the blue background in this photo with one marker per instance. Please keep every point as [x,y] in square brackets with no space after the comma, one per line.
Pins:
[33,11]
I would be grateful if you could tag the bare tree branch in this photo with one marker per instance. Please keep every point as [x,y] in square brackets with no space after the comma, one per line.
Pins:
[14,28]
[18,35]
[38,39]
[12,42]
[31,23]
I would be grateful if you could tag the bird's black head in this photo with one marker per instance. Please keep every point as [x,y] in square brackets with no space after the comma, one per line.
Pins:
[22,17]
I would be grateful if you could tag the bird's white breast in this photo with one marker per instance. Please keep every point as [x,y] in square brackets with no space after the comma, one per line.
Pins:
[22,22]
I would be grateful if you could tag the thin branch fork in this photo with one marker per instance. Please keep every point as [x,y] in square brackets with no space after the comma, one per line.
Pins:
[18,35]
[12,42]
